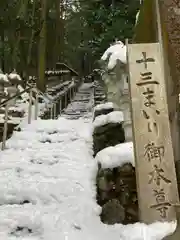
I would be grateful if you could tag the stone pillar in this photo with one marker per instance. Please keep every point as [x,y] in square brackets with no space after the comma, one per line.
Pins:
[117,90]
[125,108]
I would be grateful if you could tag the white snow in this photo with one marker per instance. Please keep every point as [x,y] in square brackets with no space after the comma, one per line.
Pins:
[107,105]
[116,156]
[4,78]
[114,53]
[42,165]
[137,17]
[50,165]
[113,117]
[15,76]
[25,95]
[48,187]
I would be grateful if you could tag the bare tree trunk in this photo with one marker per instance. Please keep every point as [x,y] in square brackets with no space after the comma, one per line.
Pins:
[57,41]
[16,49]
[2,51]
[23,4]
[42,48]
[32,35]
[61,37]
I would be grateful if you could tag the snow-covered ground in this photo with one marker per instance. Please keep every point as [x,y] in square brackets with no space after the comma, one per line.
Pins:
[47,187]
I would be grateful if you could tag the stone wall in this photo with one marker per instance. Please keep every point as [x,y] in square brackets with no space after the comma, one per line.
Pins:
[116,181]
[116,193]
[116,187]
[107,135]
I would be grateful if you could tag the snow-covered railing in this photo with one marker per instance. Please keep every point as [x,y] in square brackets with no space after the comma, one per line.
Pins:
[6,103]
[56,72]
[51,103]
[11,90]
[62,97]
[3,103]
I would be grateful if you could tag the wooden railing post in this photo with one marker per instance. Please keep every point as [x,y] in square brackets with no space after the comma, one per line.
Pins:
[51,113]
[60,105]
[73,91]
[30,106]
[54,110]
[70,93]
[5,126]
[65,100]
[36,106]
[94,92]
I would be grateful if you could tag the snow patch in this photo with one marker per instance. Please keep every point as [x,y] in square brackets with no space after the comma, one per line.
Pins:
[141,231]
[113,117]
[117,156]
[3,78]
[14,76]
[102,106]
[114,53]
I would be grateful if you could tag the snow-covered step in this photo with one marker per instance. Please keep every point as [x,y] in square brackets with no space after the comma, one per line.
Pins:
[48,187]
[81,105]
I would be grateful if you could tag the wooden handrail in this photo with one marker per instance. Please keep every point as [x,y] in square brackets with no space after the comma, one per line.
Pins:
[26,90]
[16,95]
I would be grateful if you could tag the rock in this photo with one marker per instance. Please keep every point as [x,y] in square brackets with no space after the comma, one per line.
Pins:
[104,185]
[126,170]
[132,214]
[124,195]
[107,135]
[106,173]
[118,184]
[112,212]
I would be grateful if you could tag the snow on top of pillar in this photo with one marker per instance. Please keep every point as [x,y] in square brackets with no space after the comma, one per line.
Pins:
[3,77]
[116,156]
[113,117]
[14,76]
[115,52]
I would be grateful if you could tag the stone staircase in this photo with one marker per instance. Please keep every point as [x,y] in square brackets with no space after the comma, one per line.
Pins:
[81,105]
[99,94]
